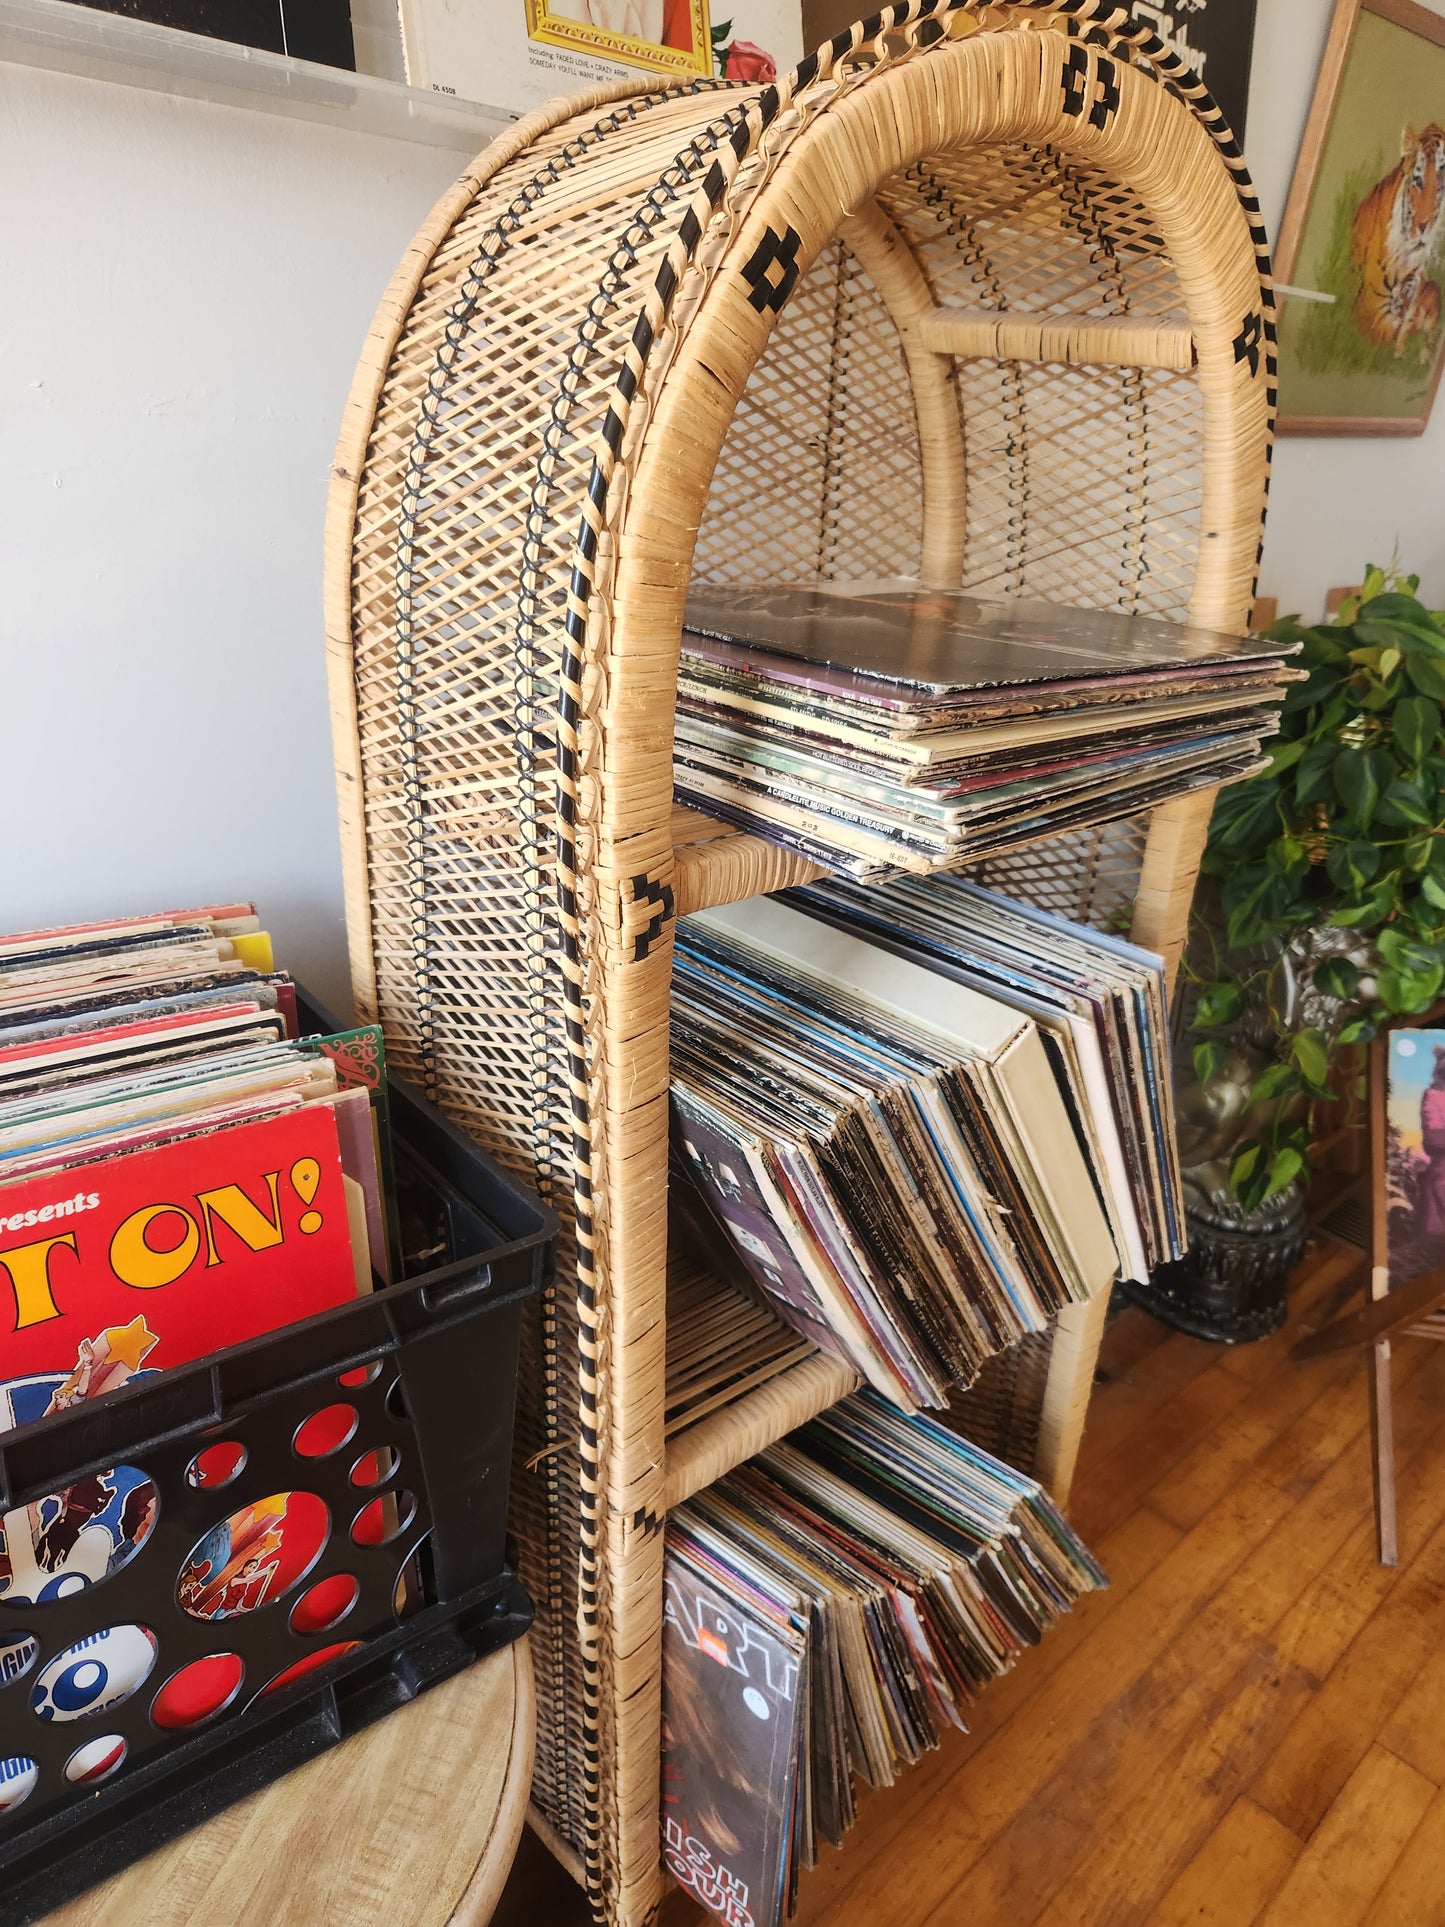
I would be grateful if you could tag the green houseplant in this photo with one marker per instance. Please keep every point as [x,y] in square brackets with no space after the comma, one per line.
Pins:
[1322,900]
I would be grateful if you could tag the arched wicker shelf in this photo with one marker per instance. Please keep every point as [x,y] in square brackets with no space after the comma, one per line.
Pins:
[979,293]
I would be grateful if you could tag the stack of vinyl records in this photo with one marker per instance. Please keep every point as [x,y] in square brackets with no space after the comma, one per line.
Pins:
[917,1161]
[1101,1006]
[885,728]
[831,1608]
[135,1050]
[180,1171]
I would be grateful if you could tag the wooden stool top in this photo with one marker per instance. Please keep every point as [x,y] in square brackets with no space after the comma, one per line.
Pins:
[412,1822]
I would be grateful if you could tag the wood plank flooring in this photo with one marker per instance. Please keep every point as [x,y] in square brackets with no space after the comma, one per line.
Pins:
[1248,1727]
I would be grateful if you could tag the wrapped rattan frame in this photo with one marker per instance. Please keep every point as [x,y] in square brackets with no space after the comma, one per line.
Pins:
[761,182]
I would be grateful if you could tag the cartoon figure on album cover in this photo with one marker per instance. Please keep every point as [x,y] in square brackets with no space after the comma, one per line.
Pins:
[76,1538]
[249,1558]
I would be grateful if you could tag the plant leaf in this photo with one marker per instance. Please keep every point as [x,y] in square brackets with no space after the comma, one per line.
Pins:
[1220,1004]
[1337,977]
[1287,855]
[1276,1080]
[1402,947]
[1312,779]
[1240,906]
[1286,755]
[1352,865]
[1426,672]
[1416,723]
[1395,606]
[1403,802]
[1411,638]
[1319,684]
[1245,1161]
[1251,1191]
[1409,991]
[1307,1048]
[1284,1169]
[1208,1058]
[1418,850]
[1355,784]
[1254,821]
[1359,1030]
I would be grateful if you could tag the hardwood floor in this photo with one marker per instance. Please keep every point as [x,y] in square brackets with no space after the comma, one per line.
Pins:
[1248,1727]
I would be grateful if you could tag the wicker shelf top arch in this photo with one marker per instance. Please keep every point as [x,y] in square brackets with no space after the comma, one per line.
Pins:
[977,293]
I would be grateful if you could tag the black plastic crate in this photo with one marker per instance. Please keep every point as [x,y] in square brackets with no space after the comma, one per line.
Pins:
[430,1367]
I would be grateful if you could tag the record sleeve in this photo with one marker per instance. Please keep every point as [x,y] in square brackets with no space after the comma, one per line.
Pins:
[731,1739]
[941,643]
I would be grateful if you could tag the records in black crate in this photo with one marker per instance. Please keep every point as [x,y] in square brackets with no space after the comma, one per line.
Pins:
[921,1118]
[877,728]
[830,1609]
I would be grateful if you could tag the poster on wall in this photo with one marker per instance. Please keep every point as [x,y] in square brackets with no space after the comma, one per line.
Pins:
[1364,230]
[1216,38]
[317,30]
[515,54]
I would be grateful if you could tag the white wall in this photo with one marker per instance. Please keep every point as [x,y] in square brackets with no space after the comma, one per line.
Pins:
[183,292]
[1337,502]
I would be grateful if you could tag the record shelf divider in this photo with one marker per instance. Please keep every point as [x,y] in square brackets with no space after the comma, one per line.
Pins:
[978,294]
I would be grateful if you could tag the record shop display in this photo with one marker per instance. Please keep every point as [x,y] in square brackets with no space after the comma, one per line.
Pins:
[976,300]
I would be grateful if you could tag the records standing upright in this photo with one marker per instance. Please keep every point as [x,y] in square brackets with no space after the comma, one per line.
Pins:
[636,341]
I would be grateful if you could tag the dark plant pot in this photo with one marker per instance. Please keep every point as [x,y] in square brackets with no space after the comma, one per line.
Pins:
[1233,1285]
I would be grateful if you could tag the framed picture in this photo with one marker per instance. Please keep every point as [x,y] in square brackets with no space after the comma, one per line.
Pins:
[1364,227]
[668,36]
[515,54]
[1410,1212]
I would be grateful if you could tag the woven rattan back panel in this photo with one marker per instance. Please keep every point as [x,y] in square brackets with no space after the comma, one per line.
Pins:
[1084,482]
[460,569]
[643,317]
[817,443]
[1105,460]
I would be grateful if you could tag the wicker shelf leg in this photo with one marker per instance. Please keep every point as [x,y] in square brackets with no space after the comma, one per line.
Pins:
[1161,922]
[1166,883]
[1077,1336]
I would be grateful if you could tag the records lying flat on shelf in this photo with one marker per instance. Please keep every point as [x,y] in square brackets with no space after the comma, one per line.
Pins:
[876,728]
[722,1343]
[830,1609]
[920,1164]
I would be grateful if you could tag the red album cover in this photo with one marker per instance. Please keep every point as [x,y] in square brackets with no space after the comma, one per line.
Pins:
[196,1244]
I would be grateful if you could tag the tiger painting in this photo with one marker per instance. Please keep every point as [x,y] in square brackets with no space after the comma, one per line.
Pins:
[1392,238]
